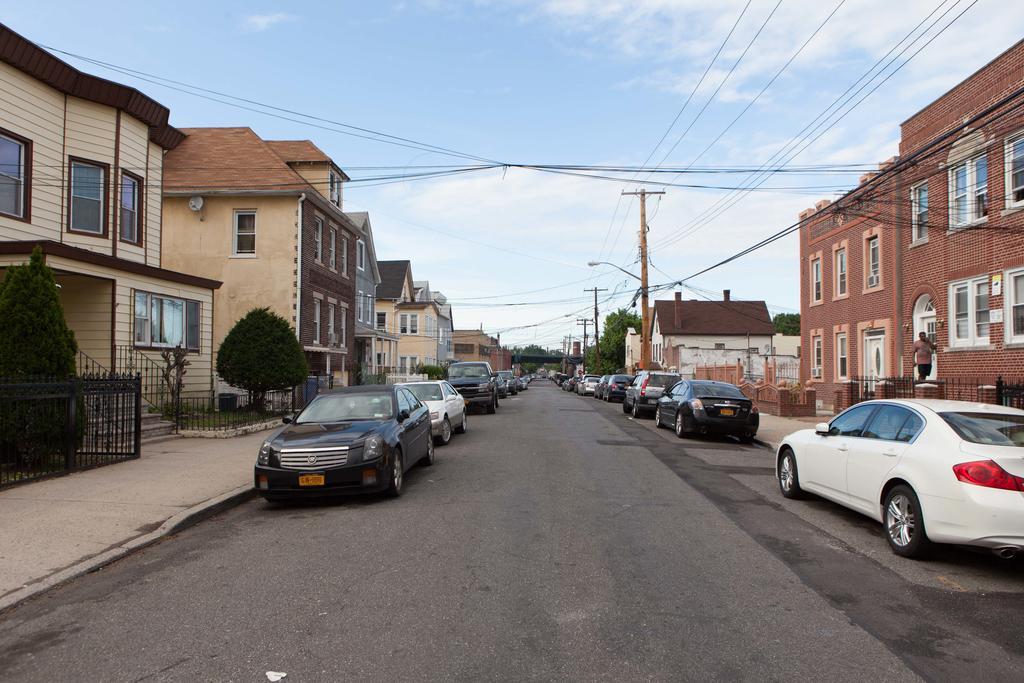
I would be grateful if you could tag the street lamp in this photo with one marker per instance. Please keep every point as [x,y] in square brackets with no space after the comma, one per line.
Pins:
[645,325]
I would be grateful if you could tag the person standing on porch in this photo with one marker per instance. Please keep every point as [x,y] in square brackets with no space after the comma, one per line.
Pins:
[923,350]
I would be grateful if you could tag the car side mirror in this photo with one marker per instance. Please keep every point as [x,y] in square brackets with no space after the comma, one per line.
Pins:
[821,429]
[403,415]
[287,419]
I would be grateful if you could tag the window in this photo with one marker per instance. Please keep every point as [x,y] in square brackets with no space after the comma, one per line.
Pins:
[88,182]
[368,311]
[245,233]
[1014,285]
[816,280]
[316,321]
[360,255]
[1014,171]
[129,208]
[344,256]
[403,323]
[874,262]
[359,307]
[414,323]
[335,188]
[840,269]
[851,423]
[333,249]
[719,346]
[14,176]
[919,211]
[318,240]
[343,330]
[332,312]
[816,357]
[969,311]
[968,192]
[841,355]
[166,321]
[382,321]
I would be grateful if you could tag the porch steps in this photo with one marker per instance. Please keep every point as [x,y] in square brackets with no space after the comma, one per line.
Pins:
[155,427]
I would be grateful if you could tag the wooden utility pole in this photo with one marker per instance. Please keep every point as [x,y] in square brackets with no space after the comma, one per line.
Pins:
[585,321]
[645,314]
[597,338]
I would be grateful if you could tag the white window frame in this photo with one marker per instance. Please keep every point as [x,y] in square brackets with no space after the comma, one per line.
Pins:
[235,233]
[842,354]
[191,311]
[343,328]
[335,188]
[841,268]
[344,255]
[919,230]
[316,321]
[102,227]
[873,266]
[1009,301]
[360,255]
[133,209]
[359,307]
[816,284]
[972,338]
[414,323]
[20,180]
[377,322]
[971,192]
[318,234]
[332,252]
[1008,170]
[817,356]
[332,311]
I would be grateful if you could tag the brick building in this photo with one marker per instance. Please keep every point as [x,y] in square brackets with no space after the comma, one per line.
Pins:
[932,243]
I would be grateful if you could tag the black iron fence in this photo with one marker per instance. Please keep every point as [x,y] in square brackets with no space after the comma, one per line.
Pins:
[1010,394]
[950,388]
[204,411]
[50,427]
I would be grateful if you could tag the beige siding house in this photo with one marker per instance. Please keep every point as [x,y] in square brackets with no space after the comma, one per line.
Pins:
[81,166]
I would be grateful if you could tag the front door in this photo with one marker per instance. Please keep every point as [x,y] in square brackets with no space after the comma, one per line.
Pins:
[874,355]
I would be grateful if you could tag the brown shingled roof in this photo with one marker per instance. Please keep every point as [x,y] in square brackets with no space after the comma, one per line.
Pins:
[228,159]
[714,317]
[298,151]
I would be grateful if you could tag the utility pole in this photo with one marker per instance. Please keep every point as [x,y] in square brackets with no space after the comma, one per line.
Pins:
[597,339]
[645,314]
[585,321]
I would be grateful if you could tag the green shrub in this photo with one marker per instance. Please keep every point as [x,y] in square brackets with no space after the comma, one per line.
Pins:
[260,354]
[432,371]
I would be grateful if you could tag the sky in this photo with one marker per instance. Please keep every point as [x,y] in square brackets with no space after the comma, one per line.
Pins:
[560,82]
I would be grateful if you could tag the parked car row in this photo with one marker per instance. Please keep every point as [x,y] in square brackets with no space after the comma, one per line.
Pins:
[364,439]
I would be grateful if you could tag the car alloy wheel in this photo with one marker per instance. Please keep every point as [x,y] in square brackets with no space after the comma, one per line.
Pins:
[636,410]
[428,459]
[657,416]
[446,431]
[900,520]
[787,474]
[680,432]
[397,475]
[461,429]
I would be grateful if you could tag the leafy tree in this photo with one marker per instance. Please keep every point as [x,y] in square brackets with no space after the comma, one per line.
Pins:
[613,342]
[787,323]
[261,354]
[35,338]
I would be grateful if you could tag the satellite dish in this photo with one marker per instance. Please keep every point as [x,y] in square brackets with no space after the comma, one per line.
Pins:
[195,203]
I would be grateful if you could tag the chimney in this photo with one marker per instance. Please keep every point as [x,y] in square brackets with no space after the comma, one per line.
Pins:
[725,295]
[679,296]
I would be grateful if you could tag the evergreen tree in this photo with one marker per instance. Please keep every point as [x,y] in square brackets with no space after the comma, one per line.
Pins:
[261,354]
[35,339]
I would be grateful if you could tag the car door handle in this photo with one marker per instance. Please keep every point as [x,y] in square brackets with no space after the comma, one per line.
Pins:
[842,447]
[890,452]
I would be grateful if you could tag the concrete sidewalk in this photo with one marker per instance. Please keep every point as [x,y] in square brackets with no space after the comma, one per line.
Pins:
[773,430]
[57,529]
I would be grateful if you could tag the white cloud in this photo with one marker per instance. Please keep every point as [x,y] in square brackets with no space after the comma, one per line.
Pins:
[261,22]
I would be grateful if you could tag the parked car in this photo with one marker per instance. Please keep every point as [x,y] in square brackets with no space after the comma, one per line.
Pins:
[570,385]
[477,384]
[706,407]
[616,389]
[447,408]
[587,384]
[931,471]
[352,440]
[602,384]
[643,393]
[511,385]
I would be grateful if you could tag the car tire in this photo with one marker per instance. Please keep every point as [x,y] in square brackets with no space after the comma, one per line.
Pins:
[492,406]
[903,523]
[680,425]
[657,417]
[625,407]
[635,411]
[431,456]
[461,429]
[445,436]
[397,474]
[787,476]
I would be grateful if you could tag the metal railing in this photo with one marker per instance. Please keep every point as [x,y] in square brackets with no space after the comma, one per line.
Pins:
[128,359]
[50,427]
[204,412]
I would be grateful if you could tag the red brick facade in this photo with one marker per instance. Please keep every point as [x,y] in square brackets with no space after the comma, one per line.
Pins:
[953,275]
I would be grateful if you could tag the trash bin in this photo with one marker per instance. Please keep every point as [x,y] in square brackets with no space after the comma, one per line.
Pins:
[227,402]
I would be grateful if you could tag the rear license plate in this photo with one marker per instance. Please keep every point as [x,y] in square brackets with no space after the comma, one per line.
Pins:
[728,412]
[311,480]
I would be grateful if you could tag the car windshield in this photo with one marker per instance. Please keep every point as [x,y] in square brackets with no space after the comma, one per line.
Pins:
[591,378]
[345,407]
[463,371]
[426,392]
[991,429]
[716,390]
[621,378]
[505,374]
[662,380]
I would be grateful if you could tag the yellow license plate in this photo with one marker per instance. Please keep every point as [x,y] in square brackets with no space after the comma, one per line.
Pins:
[727,411]
[311,480]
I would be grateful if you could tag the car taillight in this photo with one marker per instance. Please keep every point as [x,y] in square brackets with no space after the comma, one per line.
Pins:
[643,387]
[988,474]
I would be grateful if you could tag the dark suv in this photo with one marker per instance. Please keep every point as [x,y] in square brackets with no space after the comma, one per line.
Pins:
[477,383]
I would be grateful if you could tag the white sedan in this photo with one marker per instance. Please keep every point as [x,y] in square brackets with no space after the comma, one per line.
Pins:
[930,471]
[447,408]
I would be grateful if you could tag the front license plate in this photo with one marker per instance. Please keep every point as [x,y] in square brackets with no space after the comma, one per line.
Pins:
[311,480]
[728,412]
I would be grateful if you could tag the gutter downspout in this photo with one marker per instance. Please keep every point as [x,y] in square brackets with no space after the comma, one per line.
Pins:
[298,269]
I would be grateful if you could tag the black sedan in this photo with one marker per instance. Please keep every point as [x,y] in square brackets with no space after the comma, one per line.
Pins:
[705,407]
[616,388]
[351,440]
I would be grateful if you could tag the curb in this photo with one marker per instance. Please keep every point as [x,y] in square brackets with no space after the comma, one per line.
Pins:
[180,521]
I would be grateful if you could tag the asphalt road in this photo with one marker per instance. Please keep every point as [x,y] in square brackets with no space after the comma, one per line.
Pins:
[557,540]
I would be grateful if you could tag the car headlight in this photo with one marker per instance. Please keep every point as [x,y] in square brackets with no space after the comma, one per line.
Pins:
[373,447]
[266,453]
[696,404]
